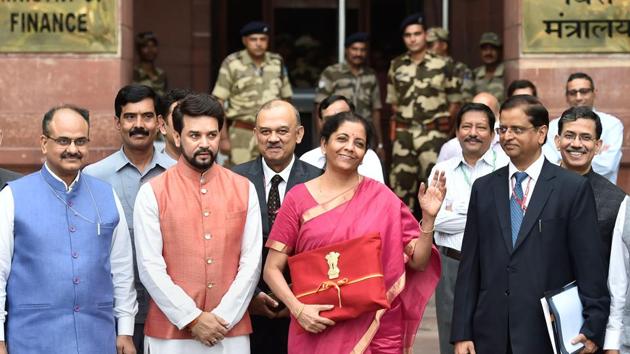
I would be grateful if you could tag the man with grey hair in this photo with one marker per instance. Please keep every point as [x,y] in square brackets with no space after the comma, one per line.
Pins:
[277,130]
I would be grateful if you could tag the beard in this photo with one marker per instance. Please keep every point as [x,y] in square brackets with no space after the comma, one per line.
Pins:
[197,163]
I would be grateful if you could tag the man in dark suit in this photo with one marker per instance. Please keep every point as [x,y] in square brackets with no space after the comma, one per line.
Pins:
[6,175]
[531,228]
[278,130]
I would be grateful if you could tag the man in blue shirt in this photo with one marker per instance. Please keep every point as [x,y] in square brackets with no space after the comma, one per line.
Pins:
[138,122]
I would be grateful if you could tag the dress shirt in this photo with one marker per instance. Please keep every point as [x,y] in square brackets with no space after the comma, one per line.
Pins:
[618,272]
[126,178]
[453,148]
[370,167]
[121,261]
[269,173]
[172,300]
[606,163]
[451,219]
[533,172]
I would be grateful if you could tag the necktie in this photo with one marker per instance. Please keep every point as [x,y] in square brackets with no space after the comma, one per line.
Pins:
[273,201]
[516,210]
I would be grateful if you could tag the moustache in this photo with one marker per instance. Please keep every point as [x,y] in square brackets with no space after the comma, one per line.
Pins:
[69,155]
[580,150]
[202,151]
[272,146]
[138,131]
[473,139]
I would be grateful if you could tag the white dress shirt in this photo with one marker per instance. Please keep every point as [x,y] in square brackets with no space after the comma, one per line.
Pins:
[529,183]
[370,167]
[172,300]
[121,261]
[269,173]
[451,219]
[618,273]
[606,163]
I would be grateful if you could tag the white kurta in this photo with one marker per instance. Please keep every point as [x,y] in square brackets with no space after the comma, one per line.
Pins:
[180,308]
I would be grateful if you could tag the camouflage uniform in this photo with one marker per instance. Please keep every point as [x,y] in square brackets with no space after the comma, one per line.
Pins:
[362,89]
[422,93]
[245,88]
[157,83]
[463,72]
[494,86]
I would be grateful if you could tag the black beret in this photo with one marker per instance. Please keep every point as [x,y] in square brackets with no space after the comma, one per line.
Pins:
[356,37]
[143,38]
[254,27]
[412,19]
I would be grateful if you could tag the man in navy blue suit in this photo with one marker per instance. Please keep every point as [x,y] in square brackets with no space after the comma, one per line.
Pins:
[278,129]
[531,228]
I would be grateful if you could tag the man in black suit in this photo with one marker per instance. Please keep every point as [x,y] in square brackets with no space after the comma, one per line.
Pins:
[531,228]
[278,129]
[6,175]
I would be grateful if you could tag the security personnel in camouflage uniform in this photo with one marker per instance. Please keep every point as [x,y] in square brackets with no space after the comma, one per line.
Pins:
[248,79]
[424,94]
[489,77]
[438,40]
[356,81]
[146,73]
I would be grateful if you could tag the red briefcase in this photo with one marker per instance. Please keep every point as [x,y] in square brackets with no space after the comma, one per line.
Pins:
[348,275]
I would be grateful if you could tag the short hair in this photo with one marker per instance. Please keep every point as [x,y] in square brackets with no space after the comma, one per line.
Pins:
[475,107]
[326,102]
[532,107]
[172,96]
[581,75]
[274,103]
[333,123]
[48,116]
[197,105]
[521,84]
[574,113]
[135,93]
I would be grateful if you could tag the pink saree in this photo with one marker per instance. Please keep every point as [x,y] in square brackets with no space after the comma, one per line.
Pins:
[303,225]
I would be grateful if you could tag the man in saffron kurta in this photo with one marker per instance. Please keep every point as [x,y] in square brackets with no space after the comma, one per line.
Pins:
[66,267]
[198,241]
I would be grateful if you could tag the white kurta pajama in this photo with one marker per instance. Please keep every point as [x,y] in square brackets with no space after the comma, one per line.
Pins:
[178,306]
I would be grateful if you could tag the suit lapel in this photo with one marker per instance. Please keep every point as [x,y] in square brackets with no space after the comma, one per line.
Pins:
[258,178]
[502,200]
[539,198]
[296,175]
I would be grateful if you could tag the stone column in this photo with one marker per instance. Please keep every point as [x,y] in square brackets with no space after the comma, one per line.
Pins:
[549,71]
[33,82]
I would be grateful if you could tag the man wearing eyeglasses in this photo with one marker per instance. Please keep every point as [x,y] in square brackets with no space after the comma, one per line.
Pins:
[66,265]
[580,92]
[138,121]
[531,228]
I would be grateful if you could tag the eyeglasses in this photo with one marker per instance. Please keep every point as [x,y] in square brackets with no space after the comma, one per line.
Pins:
[514,130]
[64,141]
[582,91]
[587,138]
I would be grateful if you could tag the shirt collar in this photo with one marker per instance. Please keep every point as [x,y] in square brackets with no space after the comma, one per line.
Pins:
[533,171]
[489,158]
[68,187]
[120,160]
[269,173]
[247,59]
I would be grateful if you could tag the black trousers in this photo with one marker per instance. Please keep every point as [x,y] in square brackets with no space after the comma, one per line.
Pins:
[270,336]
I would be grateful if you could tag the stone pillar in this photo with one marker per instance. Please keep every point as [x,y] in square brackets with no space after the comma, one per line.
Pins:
[549,72]
[34,82]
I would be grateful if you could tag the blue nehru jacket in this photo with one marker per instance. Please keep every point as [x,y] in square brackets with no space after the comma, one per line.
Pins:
[60,292]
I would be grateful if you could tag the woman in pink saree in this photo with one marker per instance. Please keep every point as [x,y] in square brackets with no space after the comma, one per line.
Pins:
[341,205]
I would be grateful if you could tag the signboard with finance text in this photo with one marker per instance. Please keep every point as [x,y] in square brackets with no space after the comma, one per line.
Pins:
[61,26]
[576,26]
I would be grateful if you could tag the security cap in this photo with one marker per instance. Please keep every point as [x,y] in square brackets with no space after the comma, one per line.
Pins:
[414,19]
[490,38]
[437,34]
[356,37]
[254,27]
